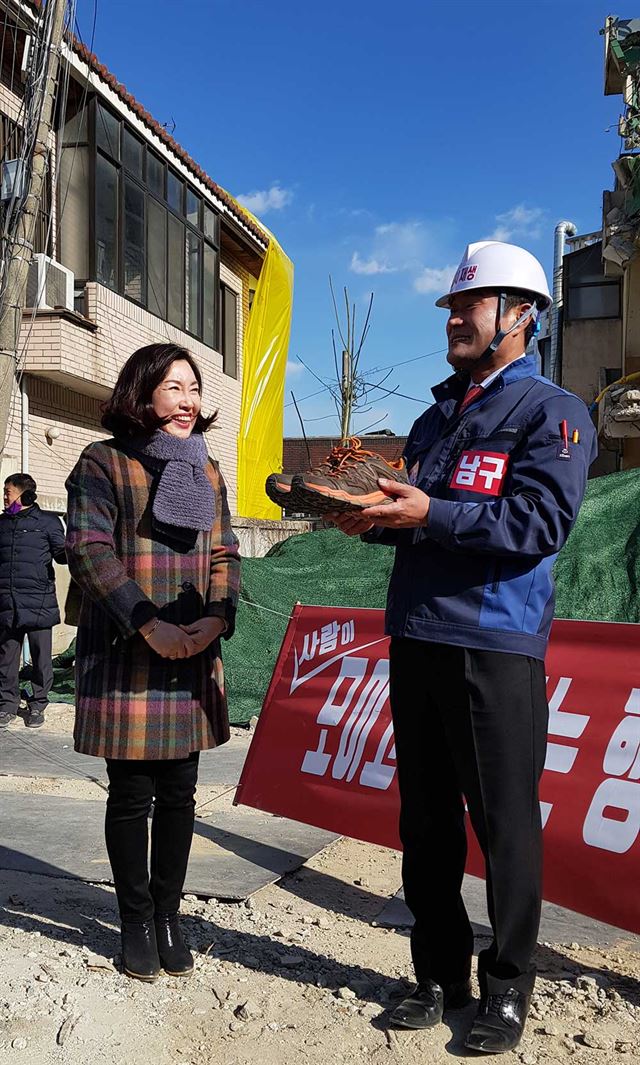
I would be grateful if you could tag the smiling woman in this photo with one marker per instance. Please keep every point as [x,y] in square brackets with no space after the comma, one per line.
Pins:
[151,547]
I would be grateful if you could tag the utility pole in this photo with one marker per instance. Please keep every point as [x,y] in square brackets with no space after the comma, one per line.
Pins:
[346,395]
[13,300]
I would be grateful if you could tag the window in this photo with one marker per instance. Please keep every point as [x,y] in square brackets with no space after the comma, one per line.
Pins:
[175,302]
[193,208]
[211,225]
[175,192]
[594,301]
[132,152]
[229,321]
[155,175]
[587,292]
[156,240]
[12,54]
[210,291]
[107,132]
[192,276]
[74,186]
[106,222]
[133,241]
[157,258]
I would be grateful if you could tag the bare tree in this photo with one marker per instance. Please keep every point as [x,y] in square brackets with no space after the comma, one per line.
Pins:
[351,387]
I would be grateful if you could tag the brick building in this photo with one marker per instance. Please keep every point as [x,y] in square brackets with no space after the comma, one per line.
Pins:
[136,244]
[300,454]
[295,457]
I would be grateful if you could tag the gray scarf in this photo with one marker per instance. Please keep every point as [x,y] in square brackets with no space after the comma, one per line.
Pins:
[184,495]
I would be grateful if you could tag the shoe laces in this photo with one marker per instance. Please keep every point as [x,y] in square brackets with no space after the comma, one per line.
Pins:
[349,454]
[496,1004]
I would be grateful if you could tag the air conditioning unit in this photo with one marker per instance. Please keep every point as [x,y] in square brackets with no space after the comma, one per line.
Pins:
[49,284]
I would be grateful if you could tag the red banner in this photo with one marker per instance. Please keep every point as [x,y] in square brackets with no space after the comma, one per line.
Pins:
[323,751]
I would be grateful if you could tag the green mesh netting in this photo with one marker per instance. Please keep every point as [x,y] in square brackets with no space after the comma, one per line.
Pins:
[597,575]
[598,571]
[321,568]
[63,690]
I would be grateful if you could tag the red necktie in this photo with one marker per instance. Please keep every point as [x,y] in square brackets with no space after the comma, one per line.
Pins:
[472,394]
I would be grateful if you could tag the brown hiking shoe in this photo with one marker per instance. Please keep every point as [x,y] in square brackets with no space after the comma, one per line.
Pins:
[347,479]
[280,490]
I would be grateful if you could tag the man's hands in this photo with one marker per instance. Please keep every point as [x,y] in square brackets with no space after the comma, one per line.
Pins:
[182,641]
[352,523]
[408,510]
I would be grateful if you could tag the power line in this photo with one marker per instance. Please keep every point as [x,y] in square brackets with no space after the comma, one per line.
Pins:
[376,369]
[62,92]
[401,395]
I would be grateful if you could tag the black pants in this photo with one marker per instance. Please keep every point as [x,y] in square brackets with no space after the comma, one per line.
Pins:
[133,786]
[473,724]
[11,641]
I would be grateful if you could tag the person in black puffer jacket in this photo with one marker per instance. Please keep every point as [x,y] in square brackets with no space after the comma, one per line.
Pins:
[30,541]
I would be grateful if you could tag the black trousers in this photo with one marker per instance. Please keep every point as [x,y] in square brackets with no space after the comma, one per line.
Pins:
[133,787]
[11,641]
[470,725]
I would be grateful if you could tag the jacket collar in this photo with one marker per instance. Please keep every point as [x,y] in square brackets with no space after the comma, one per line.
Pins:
[455,386]
[33,511]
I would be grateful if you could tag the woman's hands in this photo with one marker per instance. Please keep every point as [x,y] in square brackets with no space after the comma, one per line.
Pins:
[182,641]
[168,641]
[204,632]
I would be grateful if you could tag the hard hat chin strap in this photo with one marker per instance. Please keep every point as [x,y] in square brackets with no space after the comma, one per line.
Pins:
[502,333]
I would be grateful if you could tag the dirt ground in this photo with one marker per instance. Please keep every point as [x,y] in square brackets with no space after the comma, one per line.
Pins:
[299,973]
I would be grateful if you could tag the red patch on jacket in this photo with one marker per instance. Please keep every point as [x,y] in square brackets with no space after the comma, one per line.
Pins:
[480,471]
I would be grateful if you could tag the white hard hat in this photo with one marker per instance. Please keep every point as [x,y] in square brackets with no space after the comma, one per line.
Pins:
[492,264]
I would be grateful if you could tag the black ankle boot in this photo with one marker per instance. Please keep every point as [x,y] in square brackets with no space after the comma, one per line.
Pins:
[175,957]
[139,950]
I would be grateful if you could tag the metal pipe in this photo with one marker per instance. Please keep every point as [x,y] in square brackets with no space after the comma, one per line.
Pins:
[562,231]
[24,425]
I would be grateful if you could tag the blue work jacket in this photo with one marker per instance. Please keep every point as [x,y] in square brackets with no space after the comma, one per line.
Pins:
[505,493]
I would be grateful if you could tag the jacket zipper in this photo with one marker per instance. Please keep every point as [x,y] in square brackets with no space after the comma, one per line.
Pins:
[497,573]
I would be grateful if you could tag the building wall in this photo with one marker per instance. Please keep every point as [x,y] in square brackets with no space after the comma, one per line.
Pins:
[587,346]
[296,456]
[631,319]
[64,360]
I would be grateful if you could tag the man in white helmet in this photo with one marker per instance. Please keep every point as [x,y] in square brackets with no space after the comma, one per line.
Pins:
[498,468]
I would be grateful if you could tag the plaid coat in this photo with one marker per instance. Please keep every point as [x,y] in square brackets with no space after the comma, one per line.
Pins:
[130,702]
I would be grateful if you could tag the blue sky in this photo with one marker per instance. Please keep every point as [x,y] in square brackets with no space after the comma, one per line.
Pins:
[376,140]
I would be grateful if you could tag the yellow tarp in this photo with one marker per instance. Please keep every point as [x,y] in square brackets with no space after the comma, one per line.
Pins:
[265,348]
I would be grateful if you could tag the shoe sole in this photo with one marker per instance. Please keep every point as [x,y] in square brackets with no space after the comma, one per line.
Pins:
[30,724]
[282,498]
[189,972]
[482,1050]
[407,1026]
[138,976]
[457,1004]
[324,500]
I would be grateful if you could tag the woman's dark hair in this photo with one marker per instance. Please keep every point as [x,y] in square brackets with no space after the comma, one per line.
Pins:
[129,411]
[27,486]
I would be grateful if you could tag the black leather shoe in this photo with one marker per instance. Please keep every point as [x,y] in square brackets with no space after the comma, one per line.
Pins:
[499,1024]
[34,718]
[424,1007]
[175,957]
[139,950]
